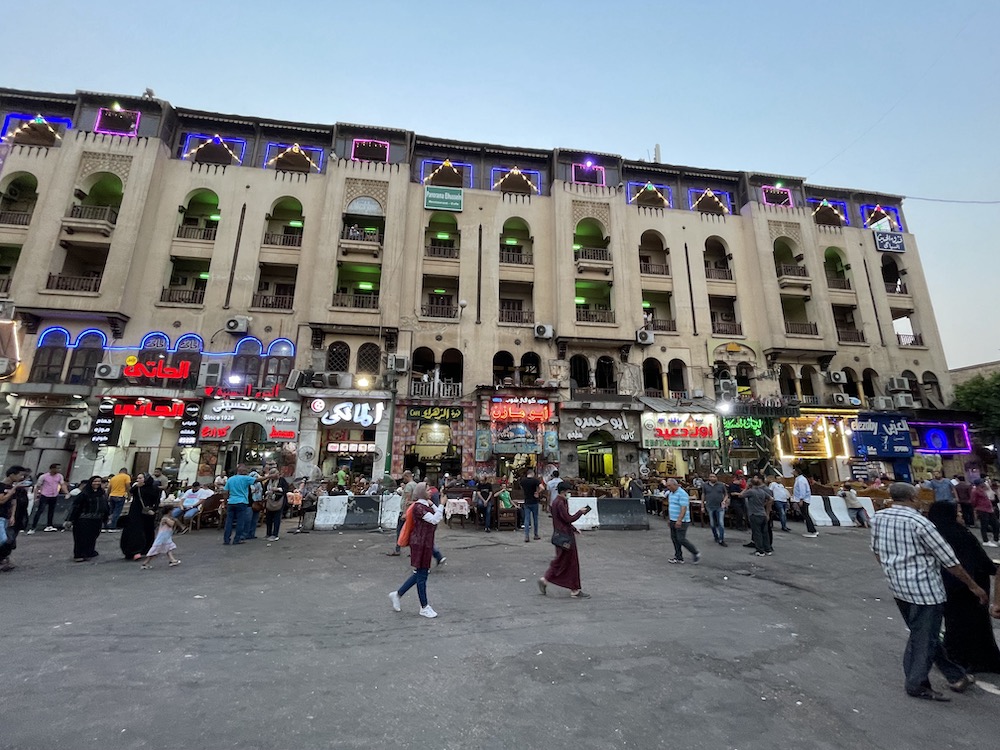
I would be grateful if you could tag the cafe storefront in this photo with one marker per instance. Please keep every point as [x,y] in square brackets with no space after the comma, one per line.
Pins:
[819,441]
[516,433]
[942,446]
[600,445]
[344,428]
[681,443]
[882,446]
[433,439]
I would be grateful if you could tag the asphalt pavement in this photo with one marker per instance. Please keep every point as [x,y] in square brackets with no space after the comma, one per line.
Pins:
[294,644]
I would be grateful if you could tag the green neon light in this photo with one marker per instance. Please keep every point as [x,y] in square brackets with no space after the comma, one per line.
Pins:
[510,241]
[440,291]
[215,217]
[580,300]
[295,223]
[367,285]
[443,236]
[203,275]
[577,247]
[646,305]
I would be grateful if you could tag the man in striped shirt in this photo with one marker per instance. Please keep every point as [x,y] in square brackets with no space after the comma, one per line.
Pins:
[912,553]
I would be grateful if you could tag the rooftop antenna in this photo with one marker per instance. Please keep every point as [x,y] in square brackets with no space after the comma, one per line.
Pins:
[656,154]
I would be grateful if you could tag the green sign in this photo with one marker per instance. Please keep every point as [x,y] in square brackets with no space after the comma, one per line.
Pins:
[753,424]
[443,198]
[434,413]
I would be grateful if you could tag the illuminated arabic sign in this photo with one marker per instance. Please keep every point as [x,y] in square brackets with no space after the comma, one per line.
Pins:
[528,409]
[434,413]
[940,437]
[362,413]
[247,391]
[278,419]
[111,413]
[881,436]
[157,370]
[686,431]
[752,424]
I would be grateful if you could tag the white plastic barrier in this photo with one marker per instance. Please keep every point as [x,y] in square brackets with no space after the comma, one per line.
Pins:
[391,503]
[587,521]
[331,511]
[869,507]
[838,507]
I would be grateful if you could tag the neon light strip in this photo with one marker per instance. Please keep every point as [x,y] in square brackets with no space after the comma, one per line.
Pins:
[441,165]
[695,196]
[663,191]
[188,151]
[55,330]
[28,119]
[868,210]
[839,208]
[965,434]
[294,148]
[764,189]
[135,125]
[517,171]
[591,168]
[354,147]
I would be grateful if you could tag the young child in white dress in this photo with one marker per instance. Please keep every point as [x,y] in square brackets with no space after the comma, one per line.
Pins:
[164,542]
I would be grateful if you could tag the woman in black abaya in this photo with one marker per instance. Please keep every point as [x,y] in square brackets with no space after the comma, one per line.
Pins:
[89,513]
[140,523]
[968,637]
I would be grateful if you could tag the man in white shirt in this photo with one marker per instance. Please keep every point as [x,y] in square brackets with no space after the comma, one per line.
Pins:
[781,498]
[801,493]
[553,486]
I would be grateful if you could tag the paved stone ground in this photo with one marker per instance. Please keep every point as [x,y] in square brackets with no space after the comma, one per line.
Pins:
[294,645]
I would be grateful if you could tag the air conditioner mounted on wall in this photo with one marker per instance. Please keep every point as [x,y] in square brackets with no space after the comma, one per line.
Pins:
[835,376]
[644,337]
[882,403]
[544,331]
[108,371]
[898,385]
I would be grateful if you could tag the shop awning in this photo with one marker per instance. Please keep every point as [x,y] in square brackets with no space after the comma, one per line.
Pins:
[688,406]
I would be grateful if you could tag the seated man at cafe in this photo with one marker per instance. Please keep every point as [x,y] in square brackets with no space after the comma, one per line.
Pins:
[191,502]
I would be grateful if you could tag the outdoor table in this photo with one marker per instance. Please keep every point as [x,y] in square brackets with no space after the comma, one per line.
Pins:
[456,507]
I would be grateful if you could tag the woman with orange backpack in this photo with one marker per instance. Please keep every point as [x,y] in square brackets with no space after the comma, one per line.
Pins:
[421,522]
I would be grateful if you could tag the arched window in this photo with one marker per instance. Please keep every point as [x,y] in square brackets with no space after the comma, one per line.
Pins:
[808,380]
[152,349]
[246,363]
[188,349]
[47,365]
[717,259]
[786,380]
[652,377]
[932,389]
[676,377]
[89,353]
[369,359]
[869,383]
[338,357]
[653,254]
[744,379]
[452,366]
[423,362]
[579,371]
[503,368]
[589,234]
[531,368]
[604,375]
[914,383]
[891,276]
[851,386]
[279,363]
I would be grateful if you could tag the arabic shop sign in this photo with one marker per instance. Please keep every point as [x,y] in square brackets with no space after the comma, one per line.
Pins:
[676,430]
[526,409]
[515,437]
[434,413]
[112,412]
[156,369]
[437,198]
[940,437]
[881,436]
[247,391]
[889,242]
[618,424]
[751,424]
[278,419]
[362,413]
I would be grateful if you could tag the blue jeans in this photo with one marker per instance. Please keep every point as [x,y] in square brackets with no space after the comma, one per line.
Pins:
[117,503]
[3,531]
[924,646]
[236,515]
[419,577]
[251,528]
[530,512]
[716,519]
[782,508]
[189,513]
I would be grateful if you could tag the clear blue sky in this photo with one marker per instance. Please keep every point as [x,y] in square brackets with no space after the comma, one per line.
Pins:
[776,86]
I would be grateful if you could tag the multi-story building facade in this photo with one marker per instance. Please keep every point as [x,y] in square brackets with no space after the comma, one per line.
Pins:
[458,307]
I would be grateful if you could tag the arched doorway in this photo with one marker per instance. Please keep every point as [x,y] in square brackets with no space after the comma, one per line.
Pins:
[597,457]
[503,368]
[604,375]
[677,378]
[579,372]
[652,377]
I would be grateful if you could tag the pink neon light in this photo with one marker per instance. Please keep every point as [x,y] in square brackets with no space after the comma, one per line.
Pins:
[590,167]
[765,188]
[100,116]
[354,147]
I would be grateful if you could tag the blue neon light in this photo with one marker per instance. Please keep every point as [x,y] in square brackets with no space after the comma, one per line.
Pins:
[840,205]
[217,139]
[316,152]
[24,118]
[504,171]
[868,208]
[278,342]
[724,195]
[92,332]
[192,337]
[241,347]
[254,342]
[439,162]
[55,331]
[640,186]
[155,335]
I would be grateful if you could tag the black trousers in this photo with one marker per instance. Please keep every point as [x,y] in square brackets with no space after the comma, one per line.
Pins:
[968,514]
[43,502]
[988,522]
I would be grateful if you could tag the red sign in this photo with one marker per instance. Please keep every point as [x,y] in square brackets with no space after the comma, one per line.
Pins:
[670,433]
[276,434]
[158,370]
[215,433]
[511,412]
[247,391]
[149,408]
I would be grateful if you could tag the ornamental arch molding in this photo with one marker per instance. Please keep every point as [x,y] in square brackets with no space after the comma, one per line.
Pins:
[366,188]
[592,210]
[117,164]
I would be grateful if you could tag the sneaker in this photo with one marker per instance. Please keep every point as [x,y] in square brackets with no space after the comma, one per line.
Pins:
[930,695]
[673,560]
[758,554]
[990,544]
[6,565]
[394,597]
[813,535]
[51,528]
[526,540]
[175,562]
[442,561]
[788,530]
[696,559]
[723,544]
[768,553]
[29,532]
[427,612]
[487,531]
[537,537]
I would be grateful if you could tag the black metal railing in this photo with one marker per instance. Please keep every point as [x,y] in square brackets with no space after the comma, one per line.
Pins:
[283,240]
[719,274]
[662,324]
[787,269]
[727,329]
[183,296]
[359,301]
[593,253]
[73,283]
[519,258]
[95,213]
[595,316]
[15,218]
[801,329]
[654,269]
[850,336]
[439,311]
[440,251]
[206,234]
[838,282]
[273,301]
[910,339]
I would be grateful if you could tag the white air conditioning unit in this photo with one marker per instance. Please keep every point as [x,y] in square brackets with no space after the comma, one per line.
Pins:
[903,400]
[210,374]
[345,380]
[7,310]
[840,399]
[108,371]
[77,425]
[835,376]
[543,331]
[698,393]
[882,403]
[644,337]
[238,324]
[898,385]
[397,363]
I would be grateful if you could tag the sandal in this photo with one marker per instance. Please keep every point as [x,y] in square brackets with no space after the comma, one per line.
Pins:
[144,566]
[542,585]
[175,562]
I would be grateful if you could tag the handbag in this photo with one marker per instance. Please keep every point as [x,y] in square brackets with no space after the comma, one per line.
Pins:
[404,533]
[562,540]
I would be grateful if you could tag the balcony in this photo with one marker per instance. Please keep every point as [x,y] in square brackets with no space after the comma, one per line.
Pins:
[809,400]
[520,317]
[838,282]
[727,329]
[91,219]
[15,218]
[595,316]
[662,324]
[360,241]
[58,282]
[894,287]
[587,391]
[850,336]
[593,259]
[273,301]
[446,252]
[204,234]
[182,296]
[718,274]
[653,393]
[654,269]
[439,311]
[678,395]
[787,269]
[277,239]
[910,339]
[356,301]
[801,329]
[432,389]
[516,258]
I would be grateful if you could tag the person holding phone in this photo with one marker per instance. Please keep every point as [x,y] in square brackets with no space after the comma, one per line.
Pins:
[564,570]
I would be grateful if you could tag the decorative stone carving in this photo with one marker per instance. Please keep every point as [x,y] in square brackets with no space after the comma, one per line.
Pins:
[372,188]
[592,210]
[785,229]
[116,164]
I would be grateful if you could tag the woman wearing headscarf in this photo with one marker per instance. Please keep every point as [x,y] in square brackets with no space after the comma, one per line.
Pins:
[426,517]
[564,570]
[140,524]
[88,514]
[968,637]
